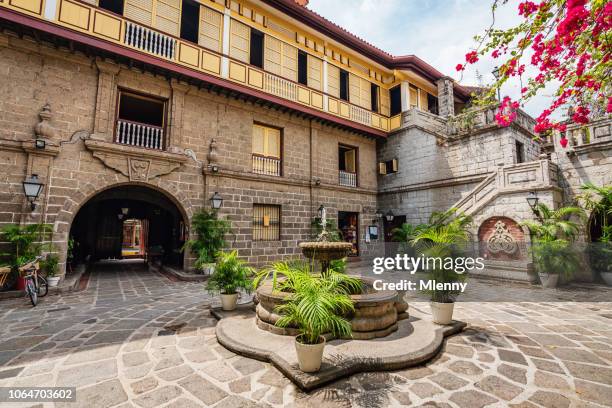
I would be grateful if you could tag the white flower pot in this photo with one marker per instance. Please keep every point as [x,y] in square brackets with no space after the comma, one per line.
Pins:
[310,356]
[549,280]
[53,281]
[208,269]
[442,313]
[228,302]
[607,277]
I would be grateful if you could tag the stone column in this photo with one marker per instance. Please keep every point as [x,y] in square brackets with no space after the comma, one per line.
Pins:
[446,97]
[106,99]
[175,114]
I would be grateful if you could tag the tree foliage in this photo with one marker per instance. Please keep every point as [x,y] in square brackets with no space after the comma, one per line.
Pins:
[568,42]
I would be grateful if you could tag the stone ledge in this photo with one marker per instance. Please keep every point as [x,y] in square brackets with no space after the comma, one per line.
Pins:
[417,340]
[68,284]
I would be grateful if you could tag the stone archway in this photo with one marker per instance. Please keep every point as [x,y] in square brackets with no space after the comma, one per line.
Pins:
[501,238]
[90,190]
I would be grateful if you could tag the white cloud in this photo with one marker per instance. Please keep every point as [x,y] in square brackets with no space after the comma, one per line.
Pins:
[439,32]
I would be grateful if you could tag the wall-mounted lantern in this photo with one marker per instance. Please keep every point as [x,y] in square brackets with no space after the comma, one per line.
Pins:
[389,216]
[32,188]
[216,201]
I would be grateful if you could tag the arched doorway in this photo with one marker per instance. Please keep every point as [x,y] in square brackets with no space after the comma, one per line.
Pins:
[129,221]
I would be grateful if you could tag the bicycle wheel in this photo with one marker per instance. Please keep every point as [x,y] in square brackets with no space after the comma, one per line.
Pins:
[43,286]
[31,290]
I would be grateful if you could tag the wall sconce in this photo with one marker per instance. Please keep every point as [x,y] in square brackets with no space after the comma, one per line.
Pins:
[216,201]
[32,188]
[532,200]
[389,216]
[40,144]
[378,214]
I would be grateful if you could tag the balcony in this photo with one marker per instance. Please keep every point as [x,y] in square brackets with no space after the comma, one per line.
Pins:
[111,30]
[270,166]
[139,135]
[347,179]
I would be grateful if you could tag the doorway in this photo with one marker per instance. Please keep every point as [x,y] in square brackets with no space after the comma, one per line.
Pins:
[348,224]
[129,222]
[392,247]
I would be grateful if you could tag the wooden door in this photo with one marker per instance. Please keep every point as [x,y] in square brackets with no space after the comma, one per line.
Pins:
[109,237]
[391,246]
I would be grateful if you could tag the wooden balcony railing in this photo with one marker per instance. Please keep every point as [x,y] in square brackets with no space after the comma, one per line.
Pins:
[139,135]
[270,166]
[148,40]
[347,179]
[79,16]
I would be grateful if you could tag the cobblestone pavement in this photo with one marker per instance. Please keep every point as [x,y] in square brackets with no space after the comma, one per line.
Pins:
[136,339]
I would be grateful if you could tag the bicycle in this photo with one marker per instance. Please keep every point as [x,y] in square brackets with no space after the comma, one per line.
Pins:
[35,285]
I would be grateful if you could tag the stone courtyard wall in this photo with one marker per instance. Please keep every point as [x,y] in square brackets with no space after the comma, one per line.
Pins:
[81,159]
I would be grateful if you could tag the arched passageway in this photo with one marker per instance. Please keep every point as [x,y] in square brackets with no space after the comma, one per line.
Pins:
[129,221]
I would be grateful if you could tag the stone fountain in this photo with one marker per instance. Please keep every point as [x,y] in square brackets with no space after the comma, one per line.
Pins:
[376,312]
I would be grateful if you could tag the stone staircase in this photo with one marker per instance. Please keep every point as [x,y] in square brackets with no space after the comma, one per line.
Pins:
[515,178]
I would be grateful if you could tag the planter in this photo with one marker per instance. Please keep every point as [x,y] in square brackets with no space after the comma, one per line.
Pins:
[549,280]
[21,283]
[607,277]
[228,302]
[53,281]
[442,313]
[208,269]
[310,356]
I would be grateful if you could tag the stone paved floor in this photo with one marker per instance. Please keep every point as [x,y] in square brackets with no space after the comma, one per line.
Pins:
[136,339]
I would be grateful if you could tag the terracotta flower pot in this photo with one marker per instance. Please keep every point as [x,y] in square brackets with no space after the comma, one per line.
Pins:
[442,313]
[228,302]
[310,356]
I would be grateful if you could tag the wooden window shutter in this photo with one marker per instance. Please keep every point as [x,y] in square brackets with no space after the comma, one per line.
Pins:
[423,101]
[273,142]
[140,11]
[382,168]
[315,71]
[333,80]
[394,165]
[240,38]
[259,140]
[289,61]
[211,29]
[365,93]
[272,55]
[384,101]
[349,160]
[168,16]
[354,89]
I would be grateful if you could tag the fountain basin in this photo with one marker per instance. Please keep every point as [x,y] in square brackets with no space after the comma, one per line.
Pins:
[325,251]
[376,312]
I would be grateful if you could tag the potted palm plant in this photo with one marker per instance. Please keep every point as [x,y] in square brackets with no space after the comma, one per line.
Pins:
[552,235]
[210,231]
[315,307]
[27,242]
[598,200]
[231,274]
[51,267]
[440,241]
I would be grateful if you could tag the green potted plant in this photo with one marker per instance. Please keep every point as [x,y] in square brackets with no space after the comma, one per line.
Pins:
[51,266]
[552,235]
[315,307]
[441,239]
[26,242]
[231,274]
[598,200]
[210,231]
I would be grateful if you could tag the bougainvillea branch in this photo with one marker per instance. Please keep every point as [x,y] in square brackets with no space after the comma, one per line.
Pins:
[569,42]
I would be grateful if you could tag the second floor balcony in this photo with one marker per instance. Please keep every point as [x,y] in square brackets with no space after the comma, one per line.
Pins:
[139,135]
[347,179]
[270,166]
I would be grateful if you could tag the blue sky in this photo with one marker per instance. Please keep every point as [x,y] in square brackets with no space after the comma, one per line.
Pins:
[439,31]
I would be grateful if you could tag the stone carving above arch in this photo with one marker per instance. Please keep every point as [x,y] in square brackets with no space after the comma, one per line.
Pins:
[501,238]
[137,164]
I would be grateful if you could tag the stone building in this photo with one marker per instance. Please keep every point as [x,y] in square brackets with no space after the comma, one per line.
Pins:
[143,111]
